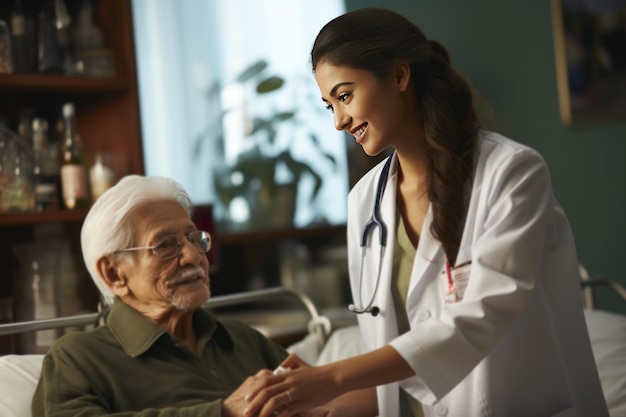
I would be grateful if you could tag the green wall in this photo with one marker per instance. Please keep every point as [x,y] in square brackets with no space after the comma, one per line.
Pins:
[505,48]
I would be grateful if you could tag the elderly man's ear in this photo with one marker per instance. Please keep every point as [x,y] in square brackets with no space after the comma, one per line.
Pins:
[113,276]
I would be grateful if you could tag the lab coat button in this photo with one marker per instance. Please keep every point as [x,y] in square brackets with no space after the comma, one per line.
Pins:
[423,315]
[441,410]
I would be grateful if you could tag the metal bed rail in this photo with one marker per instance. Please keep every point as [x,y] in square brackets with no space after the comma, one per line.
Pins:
[318,324]
[589,283]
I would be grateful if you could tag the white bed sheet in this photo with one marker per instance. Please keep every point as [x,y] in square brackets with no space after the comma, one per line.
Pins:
[607,332]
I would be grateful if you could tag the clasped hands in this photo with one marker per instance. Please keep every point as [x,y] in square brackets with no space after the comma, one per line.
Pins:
[295,389]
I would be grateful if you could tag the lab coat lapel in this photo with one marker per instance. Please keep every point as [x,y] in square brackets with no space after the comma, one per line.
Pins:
[429,260]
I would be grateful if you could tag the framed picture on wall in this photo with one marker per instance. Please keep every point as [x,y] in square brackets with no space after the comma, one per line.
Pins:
[590,52]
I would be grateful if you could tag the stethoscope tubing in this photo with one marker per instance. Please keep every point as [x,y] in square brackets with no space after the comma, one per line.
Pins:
[374,221]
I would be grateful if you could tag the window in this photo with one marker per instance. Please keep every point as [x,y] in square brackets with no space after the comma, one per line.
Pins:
[197,118]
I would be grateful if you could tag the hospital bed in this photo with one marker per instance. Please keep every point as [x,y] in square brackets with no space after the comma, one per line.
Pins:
[321,339]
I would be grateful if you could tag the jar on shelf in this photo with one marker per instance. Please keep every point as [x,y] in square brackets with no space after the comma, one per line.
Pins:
[16,173]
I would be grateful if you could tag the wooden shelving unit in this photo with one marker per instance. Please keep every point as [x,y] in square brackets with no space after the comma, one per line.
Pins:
[108,120]
[57,84]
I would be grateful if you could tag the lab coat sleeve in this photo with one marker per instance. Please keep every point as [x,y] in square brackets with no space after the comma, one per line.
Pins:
[509,212]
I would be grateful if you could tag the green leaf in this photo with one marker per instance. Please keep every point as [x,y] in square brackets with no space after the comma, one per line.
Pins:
[281,117]
[252,70]
[269,84]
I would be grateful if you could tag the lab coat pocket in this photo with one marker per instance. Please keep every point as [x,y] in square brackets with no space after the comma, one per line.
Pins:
[454,281]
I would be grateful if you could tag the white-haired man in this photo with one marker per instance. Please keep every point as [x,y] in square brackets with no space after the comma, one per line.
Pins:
[159,352]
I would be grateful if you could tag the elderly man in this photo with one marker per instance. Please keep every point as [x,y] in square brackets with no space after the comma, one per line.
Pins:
[159,353]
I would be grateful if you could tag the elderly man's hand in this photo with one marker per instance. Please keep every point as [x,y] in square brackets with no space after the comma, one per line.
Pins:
[235,404]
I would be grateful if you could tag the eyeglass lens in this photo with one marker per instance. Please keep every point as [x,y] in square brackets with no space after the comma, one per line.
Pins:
[171,246]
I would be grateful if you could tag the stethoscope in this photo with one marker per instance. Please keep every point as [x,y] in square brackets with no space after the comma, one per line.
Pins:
[374,221]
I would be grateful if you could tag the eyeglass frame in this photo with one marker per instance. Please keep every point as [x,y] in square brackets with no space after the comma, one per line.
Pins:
[179,242]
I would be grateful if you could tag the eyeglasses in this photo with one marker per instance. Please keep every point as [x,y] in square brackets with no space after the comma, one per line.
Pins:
[171,246]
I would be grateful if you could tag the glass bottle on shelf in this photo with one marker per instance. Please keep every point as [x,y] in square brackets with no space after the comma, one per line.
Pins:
[74,180]
[86,35]
[49,52]
[6,60]
[62,22]
[24,124]
[23,39]
[100,177]
[45,166]
[93,58]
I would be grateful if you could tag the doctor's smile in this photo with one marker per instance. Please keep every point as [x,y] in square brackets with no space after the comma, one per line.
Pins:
[359,133]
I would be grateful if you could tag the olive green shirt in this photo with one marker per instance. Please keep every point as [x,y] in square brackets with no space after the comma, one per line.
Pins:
[403,260]
[133,367]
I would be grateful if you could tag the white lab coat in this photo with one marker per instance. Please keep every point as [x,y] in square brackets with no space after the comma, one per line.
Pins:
[517,343]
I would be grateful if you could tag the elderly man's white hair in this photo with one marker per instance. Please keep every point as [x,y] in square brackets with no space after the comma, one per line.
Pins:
[107,227]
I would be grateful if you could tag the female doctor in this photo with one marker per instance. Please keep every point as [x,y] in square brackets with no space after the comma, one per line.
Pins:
[463,267]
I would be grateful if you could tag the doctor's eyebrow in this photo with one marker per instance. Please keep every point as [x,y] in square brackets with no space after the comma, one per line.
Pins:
[335,88]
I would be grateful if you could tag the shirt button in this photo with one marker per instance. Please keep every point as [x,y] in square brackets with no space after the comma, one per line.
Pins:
[423,315]
[441,410]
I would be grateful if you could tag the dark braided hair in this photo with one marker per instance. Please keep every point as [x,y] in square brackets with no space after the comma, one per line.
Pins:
[374,39]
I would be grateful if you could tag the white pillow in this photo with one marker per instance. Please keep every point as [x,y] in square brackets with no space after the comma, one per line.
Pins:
[343,343]
[18,378]
[307,349]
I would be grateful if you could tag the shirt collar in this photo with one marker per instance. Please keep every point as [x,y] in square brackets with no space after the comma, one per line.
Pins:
[136,333]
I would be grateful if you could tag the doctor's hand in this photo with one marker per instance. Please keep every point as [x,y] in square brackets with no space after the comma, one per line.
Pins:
[235,404]
[298,390]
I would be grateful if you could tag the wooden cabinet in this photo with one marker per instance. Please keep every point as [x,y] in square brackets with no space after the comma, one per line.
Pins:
[107,118]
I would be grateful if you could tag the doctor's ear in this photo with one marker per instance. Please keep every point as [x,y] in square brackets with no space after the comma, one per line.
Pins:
[112,275]
[401,72]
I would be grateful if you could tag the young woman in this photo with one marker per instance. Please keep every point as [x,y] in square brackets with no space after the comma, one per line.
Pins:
[463,266]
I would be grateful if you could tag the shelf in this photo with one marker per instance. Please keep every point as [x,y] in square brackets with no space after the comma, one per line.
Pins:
[61,83]
[50,216]
[226,237]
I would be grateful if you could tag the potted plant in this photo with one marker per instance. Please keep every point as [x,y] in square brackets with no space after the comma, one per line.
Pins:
[253,174]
